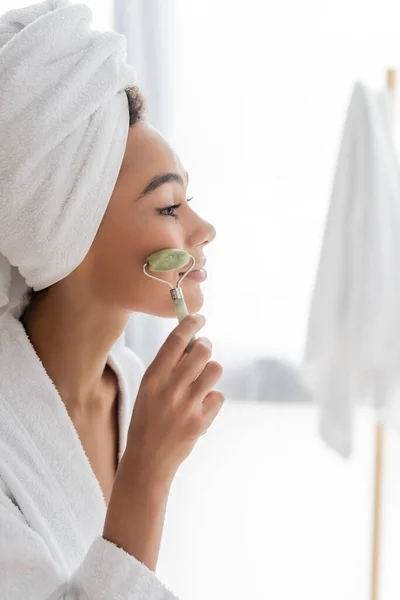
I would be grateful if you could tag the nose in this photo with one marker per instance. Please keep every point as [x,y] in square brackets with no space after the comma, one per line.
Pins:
[212,232]
[205,233]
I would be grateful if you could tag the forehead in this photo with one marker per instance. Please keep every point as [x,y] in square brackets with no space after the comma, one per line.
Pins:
[147,153]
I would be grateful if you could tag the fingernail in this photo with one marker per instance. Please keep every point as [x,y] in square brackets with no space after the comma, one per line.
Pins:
[206,341]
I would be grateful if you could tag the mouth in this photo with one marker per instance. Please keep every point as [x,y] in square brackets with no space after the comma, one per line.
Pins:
[198,274]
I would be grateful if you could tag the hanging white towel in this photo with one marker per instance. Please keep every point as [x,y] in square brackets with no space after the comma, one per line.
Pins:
[353,345]
[52,509]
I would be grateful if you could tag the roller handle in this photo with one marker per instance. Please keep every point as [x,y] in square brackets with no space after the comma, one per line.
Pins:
[182,312]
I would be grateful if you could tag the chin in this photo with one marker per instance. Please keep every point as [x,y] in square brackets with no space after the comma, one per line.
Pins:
[194,300]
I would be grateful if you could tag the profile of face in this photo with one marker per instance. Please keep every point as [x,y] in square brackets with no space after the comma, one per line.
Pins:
[148,212]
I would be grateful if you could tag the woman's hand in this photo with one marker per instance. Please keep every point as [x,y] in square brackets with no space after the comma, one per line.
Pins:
[175,405]
[176,402]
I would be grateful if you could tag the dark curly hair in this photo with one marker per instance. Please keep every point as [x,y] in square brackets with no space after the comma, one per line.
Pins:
[137,111]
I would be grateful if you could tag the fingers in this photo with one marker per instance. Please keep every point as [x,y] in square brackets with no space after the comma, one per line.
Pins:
[193,365]
[212,404]
[203,385]
[170,353]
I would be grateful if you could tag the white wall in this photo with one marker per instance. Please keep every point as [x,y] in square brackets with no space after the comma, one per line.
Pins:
[262,90]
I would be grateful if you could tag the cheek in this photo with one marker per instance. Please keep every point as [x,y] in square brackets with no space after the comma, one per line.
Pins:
[153,297]
[160,238]
[160,234]
[122,248]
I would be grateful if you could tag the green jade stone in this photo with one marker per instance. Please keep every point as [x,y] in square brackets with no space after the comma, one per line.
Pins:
[167,260]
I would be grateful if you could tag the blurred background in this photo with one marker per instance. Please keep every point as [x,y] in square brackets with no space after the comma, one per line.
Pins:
[253,96]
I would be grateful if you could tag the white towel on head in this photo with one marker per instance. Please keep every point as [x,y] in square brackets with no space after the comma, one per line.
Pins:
[64,122]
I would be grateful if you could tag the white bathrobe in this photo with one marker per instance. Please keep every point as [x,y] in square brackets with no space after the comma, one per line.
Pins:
[52,509]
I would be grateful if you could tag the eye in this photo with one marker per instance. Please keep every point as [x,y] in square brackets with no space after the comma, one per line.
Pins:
[167,211]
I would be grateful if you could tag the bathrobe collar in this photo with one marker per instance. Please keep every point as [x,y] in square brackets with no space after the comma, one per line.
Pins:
[41,447]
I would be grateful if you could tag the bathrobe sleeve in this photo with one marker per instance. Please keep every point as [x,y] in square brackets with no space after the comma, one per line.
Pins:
[107,572]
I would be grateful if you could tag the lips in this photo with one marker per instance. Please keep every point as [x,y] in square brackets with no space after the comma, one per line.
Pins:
[199,265]
[199,275]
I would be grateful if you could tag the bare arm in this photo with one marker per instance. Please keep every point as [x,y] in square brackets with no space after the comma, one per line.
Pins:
[174,406]
[145,500]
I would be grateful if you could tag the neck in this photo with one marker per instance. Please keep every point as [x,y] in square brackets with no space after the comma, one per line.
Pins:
[73,341]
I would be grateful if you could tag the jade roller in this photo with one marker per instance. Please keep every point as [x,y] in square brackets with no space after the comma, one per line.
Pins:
[170,260]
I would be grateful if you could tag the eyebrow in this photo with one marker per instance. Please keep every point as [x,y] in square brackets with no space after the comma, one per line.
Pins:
[160,180]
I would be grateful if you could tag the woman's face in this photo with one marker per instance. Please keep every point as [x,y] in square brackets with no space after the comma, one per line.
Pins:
[139,221]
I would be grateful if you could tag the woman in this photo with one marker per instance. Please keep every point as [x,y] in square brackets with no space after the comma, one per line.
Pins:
[89,444]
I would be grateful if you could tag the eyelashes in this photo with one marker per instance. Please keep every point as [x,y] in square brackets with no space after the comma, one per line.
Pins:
[174,207]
